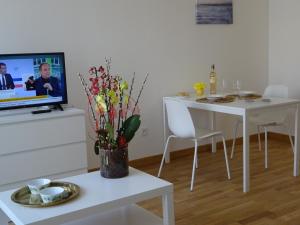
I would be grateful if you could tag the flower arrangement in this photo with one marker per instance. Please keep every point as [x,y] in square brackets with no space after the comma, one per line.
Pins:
[199,87]
[114,111]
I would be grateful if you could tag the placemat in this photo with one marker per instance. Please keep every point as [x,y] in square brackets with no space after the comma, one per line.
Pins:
[250,97]
[226,99]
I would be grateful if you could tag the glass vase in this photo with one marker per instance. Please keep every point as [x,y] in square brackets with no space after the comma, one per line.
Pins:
[114,162]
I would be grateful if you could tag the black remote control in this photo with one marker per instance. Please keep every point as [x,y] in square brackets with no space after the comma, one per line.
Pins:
[41,111]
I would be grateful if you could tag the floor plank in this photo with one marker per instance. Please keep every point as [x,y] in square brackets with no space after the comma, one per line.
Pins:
[274,198]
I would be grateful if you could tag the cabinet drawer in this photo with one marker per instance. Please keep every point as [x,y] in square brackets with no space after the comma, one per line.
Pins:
[24,136]
[43,162]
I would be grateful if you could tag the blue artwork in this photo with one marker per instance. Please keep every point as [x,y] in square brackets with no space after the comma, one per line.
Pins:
[214,12]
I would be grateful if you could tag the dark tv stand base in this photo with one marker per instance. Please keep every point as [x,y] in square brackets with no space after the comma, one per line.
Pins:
[58,107]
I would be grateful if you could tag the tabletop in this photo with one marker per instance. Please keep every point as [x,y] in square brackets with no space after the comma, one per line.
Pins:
[97,194]
[239,106]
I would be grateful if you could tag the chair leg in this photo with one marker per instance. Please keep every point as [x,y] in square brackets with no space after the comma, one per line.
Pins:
[266,147]
[194,165]
[234,138]
[197,161]
[258,135]
[290,137]
[164,155]
[226,158]
[291,140]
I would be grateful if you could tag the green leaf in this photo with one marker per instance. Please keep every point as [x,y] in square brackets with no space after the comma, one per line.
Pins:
[97,147]
[131,125]
[110,131]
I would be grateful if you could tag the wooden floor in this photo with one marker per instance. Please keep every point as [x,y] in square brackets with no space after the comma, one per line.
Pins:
[274,197]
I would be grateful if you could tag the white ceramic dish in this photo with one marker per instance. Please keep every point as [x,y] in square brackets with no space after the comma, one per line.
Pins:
[246,93]
[52,194]
[36,185]
[213,97]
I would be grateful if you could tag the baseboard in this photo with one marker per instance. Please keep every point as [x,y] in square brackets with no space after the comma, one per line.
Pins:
[155,159]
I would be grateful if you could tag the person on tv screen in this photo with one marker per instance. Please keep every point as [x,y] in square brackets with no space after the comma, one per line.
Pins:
[30,85]
[47,84]
[6,81]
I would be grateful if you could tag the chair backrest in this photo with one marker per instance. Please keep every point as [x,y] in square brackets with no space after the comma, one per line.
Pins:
[179,119]
[279,91]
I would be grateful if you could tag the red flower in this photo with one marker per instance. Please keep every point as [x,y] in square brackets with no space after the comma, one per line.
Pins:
[104,85]
[95,91]
[95,82]
[122,141]
[112,113]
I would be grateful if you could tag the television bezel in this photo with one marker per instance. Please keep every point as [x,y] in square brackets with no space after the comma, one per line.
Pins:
[65,92]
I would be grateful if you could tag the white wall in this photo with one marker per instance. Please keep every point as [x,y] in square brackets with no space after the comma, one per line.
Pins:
[284,45]
[156,36]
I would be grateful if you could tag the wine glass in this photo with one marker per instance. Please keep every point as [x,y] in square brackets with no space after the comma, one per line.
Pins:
[236,86]
[224,86]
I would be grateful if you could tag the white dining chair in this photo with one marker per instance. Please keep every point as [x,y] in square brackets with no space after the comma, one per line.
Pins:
[268,120]
[181,126]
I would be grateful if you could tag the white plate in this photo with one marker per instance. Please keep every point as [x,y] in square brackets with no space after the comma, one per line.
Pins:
[216,96]
[245,93]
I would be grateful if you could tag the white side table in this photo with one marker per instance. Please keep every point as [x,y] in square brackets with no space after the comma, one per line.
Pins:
[102,202]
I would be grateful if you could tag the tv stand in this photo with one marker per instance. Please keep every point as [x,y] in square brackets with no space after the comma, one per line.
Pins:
[58,107]
[50,145]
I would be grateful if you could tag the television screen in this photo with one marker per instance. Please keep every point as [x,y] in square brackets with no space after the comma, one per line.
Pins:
[32,80]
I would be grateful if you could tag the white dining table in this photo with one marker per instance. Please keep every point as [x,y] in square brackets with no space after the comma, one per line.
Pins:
[244,109]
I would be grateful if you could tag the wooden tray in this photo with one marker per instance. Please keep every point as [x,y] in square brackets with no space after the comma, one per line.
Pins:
[24,197]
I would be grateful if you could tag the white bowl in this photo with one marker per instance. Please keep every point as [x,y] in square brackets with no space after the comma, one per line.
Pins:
[52,194]
[246,93]
[36,185]
[216,96]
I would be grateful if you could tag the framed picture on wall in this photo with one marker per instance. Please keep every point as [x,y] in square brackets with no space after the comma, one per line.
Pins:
[214,12]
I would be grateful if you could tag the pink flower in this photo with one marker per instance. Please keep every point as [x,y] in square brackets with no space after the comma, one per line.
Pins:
[123,112]
[101,69]
[93,70]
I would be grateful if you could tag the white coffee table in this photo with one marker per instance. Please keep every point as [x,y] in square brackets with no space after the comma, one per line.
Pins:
[102,202]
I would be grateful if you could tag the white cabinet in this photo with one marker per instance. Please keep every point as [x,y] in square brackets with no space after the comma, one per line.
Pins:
[41,145]
[49,145]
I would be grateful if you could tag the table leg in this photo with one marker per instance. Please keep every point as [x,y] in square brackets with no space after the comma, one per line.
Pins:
[168,209]
[296,145]
[167,158]
[213,127]
[246,169]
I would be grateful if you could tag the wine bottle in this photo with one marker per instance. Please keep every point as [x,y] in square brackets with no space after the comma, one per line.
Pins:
[213,80]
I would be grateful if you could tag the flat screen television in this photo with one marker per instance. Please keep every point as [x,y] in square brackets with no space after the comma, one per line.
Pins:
[34,79]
